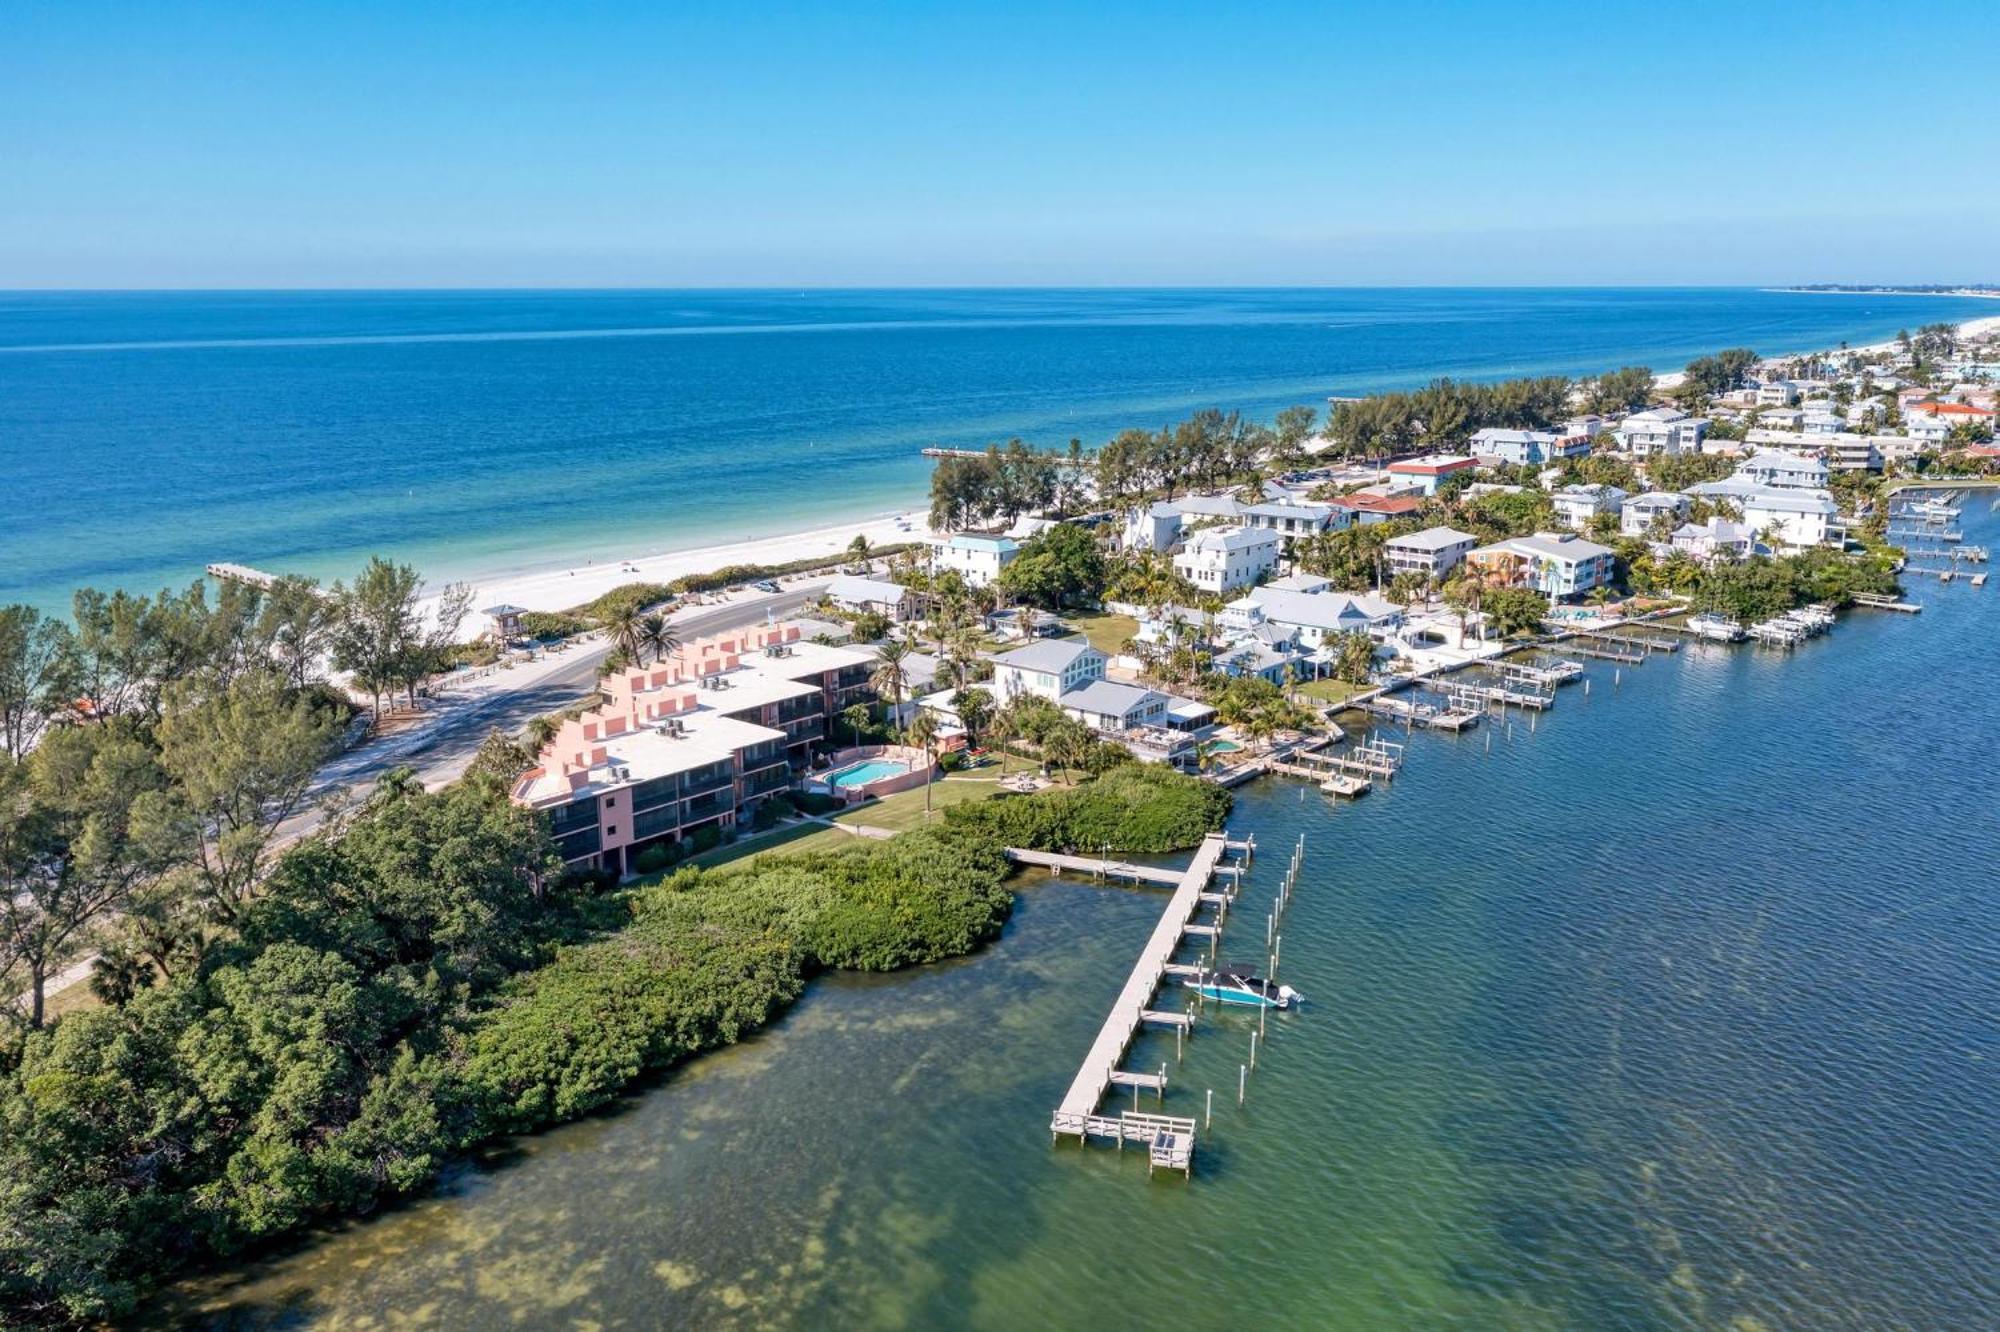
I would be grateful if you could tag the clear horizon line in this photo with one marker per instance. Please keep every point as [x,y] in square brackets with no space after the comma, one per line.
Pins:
[1858,288]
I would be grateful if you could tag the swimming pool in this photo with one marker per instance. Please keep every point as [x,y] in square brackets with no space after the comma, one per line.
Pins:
[1223,746]
[869,770]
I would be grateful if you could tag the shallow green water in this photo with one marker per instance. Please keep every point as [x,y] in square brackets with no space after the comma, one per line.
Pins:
[1675,1011]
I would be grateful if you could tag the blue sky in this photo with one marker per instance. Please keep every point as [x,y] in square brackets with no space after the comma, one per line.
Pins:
[497,143]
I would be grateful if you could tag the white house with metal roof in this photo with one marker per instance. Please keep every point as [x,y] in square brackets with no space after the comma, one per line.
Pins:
[1782,469]
[1047,669]
[855,593]
[1309,618]
[1155,526]
[1107,705]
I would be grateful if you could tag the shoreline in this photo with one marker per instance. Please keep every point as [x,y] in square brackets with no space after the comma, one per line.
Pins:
[546,588]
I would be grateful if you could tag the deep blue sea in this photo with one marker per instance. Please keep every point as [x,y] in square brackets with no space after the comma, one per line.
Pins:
[144,435]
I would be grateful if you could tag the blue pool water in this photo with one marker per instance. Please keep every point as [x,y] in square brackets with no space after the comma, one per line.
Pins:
[871,770]
[150,433]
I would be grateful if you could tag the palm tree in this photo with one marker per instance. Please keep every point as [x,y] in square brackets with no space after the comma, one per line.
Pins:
[856,717]
[922,732]
[859,549]
[889,677]
[1001,731]
[655,635]
[623,626]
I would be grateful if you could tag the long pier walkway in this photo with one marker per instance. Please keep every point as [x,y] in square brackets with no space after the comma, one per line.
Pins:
[1096,866]
[1077,1115]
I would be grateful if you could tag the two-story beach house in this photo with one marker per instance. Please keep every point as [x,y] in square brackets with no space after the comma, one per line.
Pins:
[1433,552]
[975,558]
[1527,448]
[1578,506]
[1796,516]
[1782,469]
[1047,669]
[1642,511]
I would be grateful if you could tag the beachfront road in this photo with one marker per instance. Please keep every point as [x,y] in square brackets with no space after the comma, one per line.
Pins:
[440,750]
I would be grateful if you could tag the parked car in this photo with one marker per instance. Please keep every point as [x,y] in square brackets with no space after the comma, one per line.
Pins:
[768,585]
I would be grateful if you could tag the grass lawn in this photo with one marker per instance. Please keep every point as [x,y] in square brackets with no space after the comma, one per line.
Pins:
[905,809]
[799,837]
[1105,631]
[1329,690]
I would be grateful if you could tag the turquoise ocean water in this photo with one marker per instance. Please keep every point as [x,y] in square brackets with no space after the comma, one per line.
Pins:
[144,435]
[1675,1011]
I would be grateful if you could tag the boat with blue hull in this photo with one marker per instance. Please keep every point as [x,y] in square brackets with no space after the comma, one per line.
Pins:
[1232,983]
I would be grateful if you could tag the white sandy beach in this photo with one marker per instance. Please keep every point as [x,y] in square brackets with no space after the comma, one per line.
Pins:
[560,589]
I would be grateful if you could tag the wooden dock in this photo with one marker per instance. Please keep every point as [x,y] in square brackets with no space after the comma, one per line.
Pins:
[1327,775]
[1874,601]
[1171,1140]
[1097,867]
[1429,715]
[1603,653]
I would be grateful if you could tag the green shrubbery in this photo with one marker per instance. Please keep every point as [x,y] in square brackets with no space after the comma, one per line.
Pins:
[1135,807]
[424,979]
[710,954]
[626,596]
[396,994]
[565,624]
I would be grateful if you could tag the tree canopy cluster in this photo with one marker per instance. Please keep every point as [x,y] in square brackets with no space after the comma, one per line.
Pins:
[1446,412]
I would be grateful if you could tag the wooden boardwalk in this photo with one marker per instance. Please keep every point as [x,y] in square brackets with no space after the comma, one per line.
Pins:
[1077,1115]
[1099,867]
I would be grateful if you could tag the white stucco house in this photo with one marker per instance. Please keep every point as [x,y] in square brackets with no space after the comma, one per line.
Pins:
[977,559]
[1797,516]
[1641,511]
[1782,469]
[1578,506]
[852,592]
[1661,430]
[1433,552]
[1223,559]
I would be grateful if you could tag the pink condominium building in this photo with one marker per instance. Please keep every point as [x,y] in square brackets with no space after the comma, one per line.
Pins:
[692,741]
